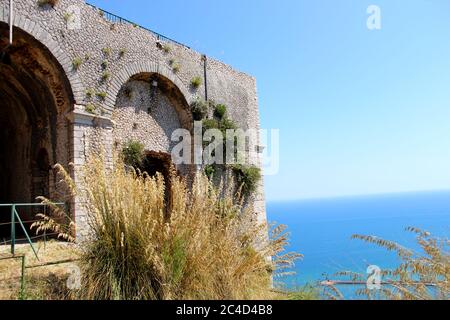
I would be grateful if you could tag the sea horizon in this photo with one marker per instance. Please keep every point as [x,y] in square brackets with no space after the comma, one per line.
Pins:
[352,196]
[321,230]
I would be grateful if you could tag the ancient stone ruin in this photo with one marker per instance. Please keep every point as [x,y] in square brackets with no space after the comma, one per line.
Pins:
[77,79]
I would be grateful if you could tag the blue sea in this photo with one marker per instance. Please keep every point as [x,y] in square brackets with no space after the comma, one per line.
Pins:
[321,230]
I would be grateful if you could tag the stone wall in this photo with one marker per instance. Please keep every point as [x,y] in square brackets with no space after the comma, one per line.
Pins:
[145,116]
[111,54]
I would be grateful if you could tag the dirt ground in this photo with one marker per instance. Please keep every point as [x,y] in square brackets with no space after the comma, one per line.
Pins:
[41,282]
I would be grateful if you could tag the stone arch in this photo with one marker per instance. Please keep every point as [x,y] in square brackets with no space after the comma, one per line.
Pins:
[149,105]
[131,70]
[35,97]
[41,35]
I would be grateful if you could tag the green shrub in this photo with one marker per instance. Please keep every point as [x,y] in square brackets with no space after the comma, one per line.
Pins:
[106,75]
[76,63]
[176,67]
[102,95]
[220,111]
[166,48]
[90,93]
[122,53]
[107,52]
[227,124]
[247,178]
[196,82]
[210,124]
[199,109]
[91,108]
[68,16]
[133,153]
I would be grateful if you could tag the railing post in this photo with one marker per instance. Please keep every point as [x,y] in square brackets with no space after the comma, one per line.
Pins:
[13,229]
[22,279]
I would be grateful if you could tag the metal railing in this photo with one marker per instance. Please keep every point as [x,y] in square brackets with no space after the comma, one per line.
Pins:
[111,17]
[16,220]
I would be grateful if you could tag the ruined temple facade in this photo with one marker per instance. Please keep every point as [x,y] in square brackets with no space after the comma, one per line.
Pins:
[76,80]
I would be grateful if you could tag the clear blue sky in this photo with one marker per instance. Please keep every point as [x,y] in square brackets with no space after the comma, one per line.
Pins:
[360,111]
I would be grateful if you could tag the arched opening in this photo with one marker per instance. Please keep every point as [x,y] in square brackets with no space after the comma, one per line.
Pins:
[35,97]
[159,163]
[149,108]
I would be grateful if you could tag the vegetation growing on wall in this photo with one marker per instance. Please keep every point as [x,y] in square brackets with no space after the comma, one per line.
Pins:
[106,75]
[90,108]
[133,153]
[196,82]
[199,109]
[68,16]
[90,93]
[102,95]
[107,52]
[220,111]
[76,63]
[166,48]
[176,66]
[246,177]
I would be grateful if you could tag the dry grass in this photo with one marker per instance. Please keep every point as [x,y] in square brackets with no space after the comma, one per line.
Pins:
[202,245]
[43,283]
[423,275]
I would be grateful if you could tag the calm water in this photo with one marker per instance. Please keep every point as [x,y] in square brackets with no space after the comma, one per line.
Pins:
[321,230]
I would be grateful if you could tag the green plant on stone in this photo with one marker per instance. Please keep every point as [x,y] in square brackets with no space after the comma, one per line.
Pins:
[166,48]
[122,53]
[220,111]
[199,109]
[176,67]
[247,178]
[90,107]
[133,153]
[106,75]
[106,52]
[102,95]
[68,16]
[227,124]
[76,63]
[196,82]
[209,124]
[90,93]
